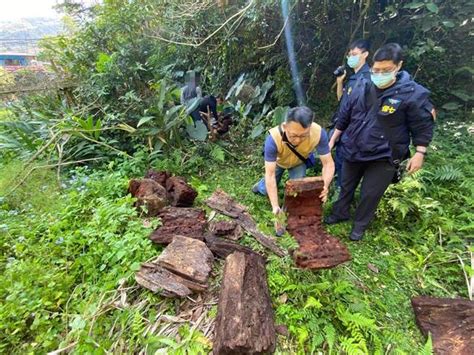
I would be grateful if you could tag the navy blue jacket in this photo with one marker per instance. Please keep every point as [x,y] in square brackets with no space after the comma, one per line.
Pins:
[363,71]
[379,124]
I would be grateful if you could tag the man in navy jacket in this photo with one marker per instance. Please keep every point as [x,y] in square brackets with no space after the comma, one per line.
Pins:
[357,60]
[377,124]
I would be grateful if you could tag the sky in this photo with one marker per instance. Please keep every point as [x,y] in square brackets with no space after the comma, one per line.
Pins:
[16,9]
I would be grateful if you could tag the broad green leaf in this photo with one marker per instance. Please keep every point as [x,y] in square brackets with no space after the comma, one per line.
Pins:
[414,5]
[279,115]
[257,131]
[432,7]
[451,106]
[144,120]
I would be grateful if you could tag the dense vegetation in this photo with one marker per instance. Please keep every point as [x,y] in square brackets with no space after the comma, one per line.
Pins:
[70,239]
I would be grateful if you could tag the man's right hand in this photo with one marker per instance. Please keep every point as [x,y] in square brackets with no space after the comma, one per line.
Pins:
[341,78]
[279,221]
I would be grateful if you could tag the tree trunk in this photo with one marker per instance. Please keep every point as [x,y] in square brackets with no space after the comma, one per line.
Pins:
[244,323]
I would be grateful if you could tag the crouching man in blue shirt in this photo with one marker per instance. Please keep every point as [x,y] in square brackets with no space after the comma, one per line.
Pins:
[289,147]
[380,120]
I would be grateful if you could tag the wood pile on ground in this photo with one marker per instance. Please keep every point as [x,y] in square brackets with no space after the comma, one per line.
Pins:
[317,249]
[159,189]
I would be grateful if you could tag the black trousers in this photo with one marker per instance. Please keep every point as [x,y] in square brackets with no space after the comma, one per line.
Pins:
[376,176]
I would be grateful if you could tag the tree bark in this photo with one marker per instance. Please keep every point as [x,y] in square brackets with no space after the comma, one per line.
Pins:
[189,222]
[244,323]
[223,247]
[317,249]
[450,322]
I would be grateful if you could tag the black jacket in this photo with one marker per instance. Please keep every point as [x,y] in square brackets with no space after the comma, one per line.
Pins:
[379,124]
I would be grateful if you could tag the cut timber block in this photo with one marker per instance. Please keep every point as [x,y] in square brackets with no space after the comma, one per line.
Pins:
[188,258]
[317,249]
[450,322]
[188,222]
[228,229]
[222,247]
[180,193]
[244,322]
[148,193]
[159,280]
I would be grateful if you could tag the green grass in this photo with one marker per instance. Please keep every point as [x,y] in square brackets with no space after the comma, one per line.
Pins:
[67,260]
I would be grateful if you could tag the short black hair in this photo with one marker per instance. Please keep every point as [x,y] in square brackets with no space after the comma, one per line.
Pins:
[362,44]
[389,51]
[302,115]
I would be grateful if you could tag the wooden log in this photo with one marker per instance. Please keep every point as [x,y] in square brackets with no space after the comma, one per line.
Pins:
[317,249]
[148,193]
[189,258]
[450,322]
[228,229]
[223,247]
[244,322]
[189,222]
[180,193]
[223,203]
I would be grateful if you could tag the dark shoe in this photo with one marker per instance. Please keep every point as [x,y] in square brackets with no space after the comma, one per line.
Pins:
[331,219]
[255,189]
[355,236]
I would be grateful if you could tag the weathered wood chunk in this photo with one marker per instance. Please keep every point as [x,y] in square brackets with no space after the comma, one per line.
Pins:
[180,193]
[245,322]
[223,203]
[228,229]
[450,322]
[317,249]
[148,193]
[159,176]
[159,280]
[188,258]
[223,247]
[189,222]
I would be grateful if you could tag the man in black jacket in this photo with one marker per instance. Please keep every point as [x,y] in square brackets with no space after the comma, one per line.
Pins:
[357,60]
[377,124]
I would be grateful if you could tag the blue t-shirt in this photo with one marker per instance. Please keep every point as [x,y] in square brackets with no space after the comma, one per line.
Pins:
[271,151]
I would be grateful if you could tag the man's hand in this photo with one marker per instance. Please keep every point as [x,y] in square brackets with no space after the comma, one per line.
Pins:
[341,78]
[276,210]
[415,163]
[279,221]
[324,194]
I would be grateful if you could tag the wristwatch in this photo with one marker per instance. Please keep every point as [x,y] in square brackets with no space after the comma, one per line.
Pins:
[421,152]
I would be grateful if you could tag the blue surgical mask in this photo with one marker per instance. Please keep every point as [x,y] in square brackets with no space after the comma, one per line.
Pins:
[381,80]
[353,60]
